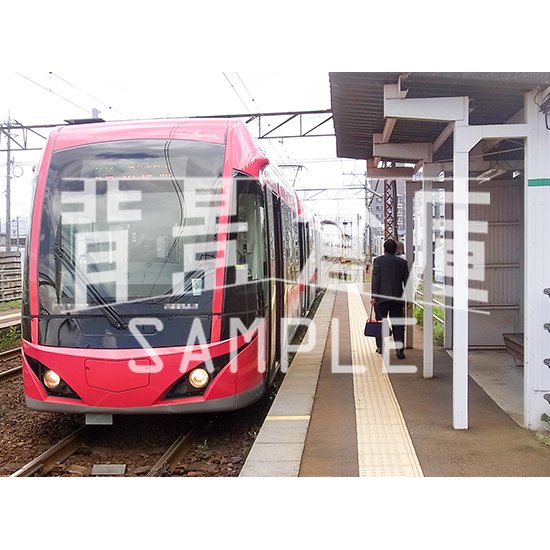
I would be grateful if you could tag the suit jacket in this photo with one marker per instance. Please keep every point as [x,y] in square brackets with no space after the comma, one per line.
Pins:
[389,278]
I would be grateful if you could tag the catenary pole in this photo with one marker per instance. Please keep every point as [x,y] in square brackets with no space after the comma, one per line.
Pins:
[8,198]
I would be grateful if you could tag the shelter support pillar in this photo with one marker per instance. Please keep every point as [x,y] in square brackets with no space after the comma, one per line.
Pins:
[429,173]
[537,262]
[427,278]
[410,188]
[448,267]
[465,137]
[460,286]
[450,109]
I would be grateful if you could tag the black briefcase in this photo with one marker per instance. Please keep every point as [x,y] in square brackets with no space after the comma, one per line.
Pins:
[374,328]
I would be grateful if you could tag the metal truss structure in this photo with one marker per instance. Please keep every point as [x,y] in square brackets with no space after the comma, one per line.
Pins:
[278,125]
[390,210]
[283,125]
[353,192]
[15,136]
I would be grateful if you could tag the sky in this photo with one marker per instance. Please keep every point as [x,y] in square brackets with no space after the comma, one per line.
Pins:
[49,96]
[142,60]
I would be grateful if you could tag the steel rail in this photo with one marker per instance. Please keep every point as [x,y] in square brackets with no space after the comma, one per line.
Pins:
[175,452]
[4,375]
[58,453]
[8,354]
[5,356]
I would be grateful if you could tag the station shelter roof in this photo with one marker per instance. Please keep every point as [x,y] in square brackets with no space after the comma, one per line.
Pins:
[357,101]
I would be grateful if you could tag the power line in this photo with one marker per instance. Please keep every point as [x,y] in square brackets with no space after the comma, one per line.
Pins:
[235,90]
[317,160]
[275,151]
[260,110]
[247,91]
[51,91]
[86,93]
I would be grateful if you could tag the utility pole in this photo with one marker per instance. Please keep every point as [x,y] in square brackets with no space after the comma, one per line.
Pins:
[358,245]
[367,225]
[8,197]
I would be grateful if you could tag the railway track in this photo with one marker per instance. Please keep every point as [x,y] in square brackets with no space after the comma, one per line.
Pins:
[58,453]
[170,459]
[44,463]
[7,356]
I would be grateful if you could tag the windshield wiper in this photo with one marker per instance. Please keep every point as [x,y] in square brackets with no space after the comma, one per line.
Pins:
[108,311]
[58,274]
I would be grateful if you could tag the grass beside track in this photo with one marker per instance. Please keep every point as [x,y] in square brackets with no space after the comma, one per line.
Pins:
[10,337]
[12,304]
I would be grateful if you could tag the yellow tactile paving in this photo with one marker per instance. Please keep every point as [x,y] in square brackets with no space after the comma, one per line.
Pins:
[384,444]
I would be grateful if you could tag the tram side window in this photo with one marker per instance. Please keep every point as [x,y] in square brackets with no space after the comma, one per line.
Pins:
[287,241]
[251,252]
[295,248]
[246,288]
[291,244]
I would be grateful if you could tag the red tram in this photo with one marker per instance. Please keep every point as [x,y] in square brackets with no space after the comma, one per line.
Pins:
[166,259]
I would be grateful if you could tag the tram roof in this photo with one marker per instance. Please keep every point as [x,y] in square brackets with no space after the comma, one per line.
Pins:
[357,101]
[212,130]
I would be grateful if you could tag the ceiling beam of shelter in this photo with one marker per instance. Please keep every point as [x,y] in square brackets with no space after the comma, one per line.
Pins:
[443,137]
[393,172]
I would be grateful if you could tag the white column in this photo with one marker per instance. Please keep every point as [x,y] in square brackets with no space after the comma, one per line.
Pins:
[537,264]
[409,247]
[448,342]
[428,362]
[460,285]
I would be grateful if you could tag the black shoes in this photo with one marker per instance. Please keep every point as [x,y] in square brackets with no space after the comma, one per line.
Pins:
[400,353]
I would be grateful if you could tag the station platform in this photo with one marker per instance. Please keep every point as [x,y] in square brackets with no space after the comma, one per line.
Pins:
[339,413]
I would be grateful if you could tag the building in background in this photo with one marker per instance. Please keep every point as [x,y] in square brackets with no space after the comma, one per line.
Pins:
[18,231]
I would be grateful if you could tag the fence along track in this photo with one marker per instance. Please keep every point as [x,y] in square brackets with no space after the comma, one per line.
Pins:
[10,276]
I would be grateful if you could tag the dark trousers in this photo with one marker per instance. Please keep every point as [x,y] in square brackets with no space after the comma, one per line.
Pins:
[395,311]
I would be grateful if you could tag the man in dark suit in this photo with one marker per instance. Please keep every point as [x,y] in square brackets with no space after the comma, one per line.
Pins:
[389,278]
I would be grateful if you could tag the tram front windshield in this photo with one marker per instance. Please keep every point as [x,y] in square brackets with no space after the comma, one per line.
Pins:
[130,221]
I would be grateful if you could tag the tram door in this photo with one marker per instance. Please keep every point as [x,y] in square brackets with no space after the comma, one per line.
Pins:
[276,278]
[304,298]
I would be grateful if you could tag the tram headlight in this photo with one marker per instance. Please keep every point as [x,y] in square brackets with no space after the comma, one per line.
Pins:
[51,379]
[199,377]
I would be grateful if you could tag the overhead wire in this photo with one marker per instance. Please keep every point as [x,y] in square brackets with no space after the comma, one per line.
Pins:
[237,93]
[52,92]
[88,94]
[248,91]
[271,145]
[281,141]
